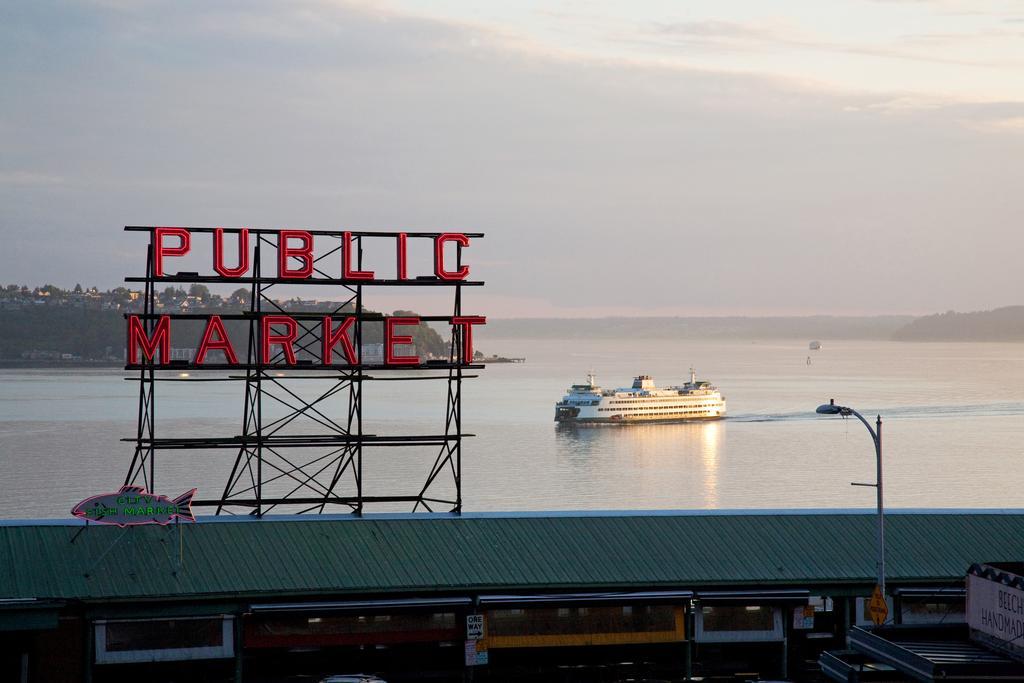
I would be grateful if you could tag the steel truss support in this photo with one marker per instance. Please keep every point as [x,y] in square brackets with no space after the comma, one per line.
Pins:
[449,459]
[142,470]
[301,446]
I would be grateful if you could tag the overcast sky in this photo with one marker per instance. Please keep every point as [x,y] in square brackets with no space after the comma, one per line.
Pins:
[646,157]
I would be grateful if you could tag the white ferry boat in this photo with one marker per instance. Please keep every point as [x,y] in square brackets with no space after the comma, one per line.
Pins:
[643,402]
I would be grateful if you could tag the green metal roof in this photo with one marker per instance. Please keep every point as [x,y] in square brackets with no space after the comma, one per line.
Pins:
[390,554]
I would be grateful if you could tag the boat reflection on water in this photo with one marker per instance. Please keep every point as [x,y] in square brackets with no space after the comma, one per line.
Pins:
[670,457]
[710,438]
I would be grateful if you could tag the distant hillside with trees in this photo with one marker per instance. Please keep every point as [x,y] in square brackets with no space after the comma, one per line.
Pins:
[47,333]
[49,324]
[1000,324]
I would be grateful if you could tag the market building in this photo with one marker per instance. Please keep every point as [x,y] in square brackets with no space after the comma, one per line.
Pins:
[723,595]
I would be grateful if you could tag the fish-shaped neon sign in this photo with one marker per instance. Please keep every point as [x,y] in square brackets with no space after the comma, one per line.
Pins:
[133,505]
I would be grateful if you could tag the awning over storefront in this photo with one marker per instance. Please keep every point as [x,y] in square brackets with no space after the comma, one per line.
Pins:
[28,615]
[769,597]
[929,592]
[362,605]
[641,597]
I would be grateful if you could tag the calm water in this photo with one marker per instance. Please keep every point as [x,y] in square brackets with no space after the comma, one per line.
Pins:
[954,417]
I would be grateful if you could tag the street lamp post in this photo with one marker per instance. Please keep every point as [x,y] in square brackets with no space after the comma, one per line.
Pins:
[876,435]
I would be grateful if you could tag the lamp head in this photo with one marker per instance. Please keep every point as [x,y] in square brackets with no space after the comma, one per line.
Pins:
[831,408]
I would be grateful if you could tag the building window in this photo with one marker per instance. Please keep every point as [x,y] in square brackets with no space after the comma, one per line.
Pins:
[584,626]
[327,630]
[738,623]
[164,640]
[820,603]
[932,610]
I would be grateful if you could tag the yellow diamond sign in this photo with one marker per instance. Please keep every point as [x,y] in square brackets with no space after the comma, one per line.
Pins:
[878,609]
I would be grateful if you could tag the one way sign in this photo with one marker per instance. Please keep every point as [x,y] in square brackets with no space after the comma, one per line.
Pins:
[474,626]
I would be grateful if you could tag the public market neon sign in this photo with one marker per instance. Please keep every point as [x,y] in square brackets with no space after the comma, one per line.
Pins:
[297,262]
[297,246]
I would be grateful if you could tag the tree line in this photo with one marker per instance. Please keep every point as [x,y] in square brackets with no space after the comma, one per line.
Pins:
[59,323]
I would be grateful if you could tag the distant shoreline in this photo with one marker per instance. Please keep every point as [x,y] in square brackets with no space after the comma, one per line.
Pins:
[1004,324]
[48,332]
[726,327]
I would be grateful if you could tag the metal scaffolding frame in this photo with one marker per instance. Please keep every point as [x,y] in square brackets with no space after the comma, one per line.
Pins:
[306,457]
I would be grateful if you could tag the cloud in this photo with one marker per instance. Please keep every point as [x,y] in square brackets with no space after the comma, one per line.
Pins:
[732,36]
[713,29]
[601,185]
[969,40]
[28,178]
[1010,124]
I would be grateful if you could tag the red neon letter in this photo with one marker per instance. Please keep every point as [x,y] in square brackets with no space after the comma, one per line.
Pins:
[303,253]
[346,261]
[137,338]
[243,253]
[331,338]
[221,343]
[391,340]
[439,270]
[159,250]
[285,340]
[466,322]
[402,257]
